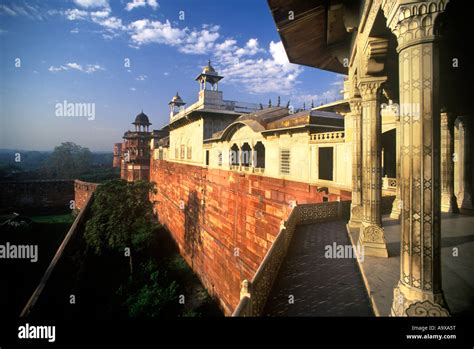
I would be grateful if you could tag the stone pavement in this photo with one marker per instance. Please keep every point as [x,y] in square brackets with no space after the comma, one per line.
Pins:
[320,286]
[382,274]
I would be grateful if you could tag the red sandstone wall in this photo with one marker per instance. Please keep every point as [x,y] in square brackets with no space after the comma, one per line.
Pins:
[224,211]
[35,194]
[82,191]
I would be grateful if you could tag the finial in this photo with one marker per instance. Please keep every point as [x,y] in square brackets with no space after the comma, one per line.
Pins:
[312,104]
[261,106]
[269,102]
[288,104]
[304,106]
[209,62]
[278,103]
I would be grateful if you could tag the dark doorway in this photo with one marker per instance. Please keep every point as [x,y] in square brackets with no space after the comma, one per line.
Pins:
[389,154]
[326,163]
[246,154]
[234,155]
[260,155]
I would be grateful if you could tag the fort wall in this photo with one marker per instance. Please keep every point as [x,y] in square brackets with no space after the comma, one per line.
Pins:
[34,194]
[82,192]
[224,222]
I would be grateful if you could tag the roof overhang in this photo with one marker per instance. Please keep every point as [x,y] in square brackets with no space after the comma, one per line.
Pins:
[314,32]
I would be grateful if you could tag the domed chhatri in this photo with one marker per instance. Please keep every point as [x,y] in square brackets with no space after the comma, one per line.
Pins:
[209,75]
[177,100]
[142,119]
[175,104]
[208,69]
[141,122]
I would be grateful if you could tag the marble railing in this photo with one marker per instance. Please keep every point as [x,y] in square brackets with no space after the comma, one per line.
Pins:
[389,183]
[328,137]
[249,169]
[254,293]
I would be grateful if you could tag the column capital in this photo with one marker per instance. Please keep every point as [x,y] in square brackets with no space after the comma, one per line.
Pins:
[369,87]
[413,21]
[447,119]
[356,105]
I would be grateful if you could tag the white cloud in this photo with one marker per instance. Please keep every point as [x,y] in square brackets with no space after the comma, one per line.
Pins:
[7,10]
[145,31]
[31,11]
[76,14]
[141,3]
[74,31]
[200,42]
[258,75]
[226,46]
[74,66]
[133,89]
[88,69]
[112,23]
[141,77]
[251,48]
[257,69]
[101,13]
[55,69]
[278,53]
[92,3]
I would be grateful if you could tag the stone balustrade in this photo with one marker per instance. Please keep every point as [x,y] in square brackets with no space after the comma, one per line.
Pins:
[328,137]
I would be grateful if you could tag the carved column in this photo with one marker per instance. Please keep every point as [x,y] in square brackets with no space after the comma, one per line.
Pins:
[464,199]
[396,207]
[419,291]
[356,205]
[371,232]
[448,200]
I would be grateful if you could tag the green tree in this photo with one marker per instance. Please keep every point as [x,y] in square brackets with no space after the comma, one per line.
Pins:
[122,217]
[150,294]
[68,161]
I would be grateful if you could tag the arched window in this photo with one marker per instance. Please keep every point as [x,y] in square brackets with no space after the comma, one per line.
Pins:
[259,155]
[246,157]
[234,155]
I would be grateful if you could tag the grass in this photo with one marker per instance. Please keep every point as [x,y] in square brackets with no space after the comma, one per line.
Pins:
[53,219]
[19,278]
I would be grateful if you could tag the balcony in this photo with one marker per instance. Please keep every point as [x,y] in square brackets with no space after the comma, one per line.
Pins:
[327,137]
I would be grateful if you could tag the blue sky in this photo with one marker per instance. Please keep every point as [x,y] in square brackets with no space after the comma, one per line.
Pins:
[77,51]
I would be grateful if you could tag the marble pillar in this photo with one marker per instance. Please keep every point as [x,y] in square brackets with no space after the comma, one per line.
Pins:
[419,290]
[356,205]
[448,200]
[371,235]
[463,161]
[396,207]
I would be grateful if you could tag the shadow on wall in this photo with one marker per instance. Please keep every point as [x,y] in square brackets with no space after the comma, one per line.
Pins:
[192,231]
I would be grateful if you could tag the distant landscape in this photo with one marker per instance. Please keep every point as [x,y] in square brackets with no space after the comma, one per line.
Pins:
[67,161]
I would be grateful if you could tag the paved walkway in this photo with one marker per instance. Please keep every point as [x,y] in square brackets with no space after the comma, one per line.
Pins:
[320,286]
[457,266]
